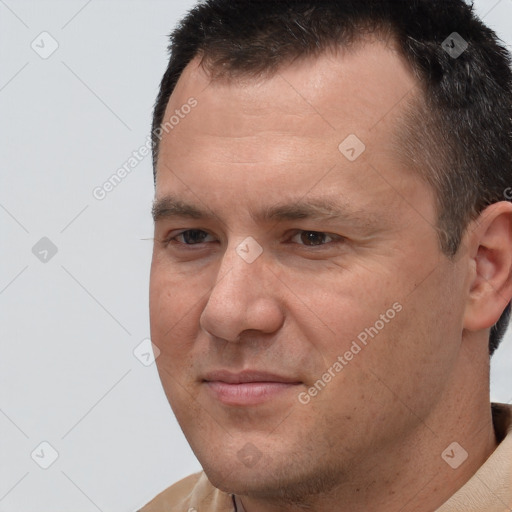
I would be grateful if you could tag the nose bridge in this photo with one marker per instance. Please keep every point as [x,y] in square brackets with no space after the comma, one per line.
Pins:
[240,299]
[240,273]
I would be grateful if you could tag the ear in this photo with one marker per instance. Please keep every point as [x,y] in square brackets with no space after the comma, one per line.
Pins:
[490,246]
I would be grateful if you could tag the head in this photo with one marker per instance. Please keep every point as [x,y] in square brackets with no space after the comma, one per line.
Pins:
[331,211]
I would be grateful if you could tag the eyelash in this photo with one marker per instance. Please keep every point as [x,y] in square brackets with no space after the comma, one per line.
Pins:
[172,238]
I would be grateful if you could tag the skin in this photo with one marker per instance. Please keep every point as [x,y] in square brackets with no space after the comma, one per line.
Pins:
[373,437]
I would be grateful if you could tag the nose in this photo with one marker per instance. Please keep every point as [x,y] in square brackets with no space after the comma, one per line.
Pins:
[244,298]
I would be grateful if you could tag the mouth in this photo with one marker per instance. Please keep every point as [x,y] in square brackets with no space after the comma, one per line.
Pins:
[248,387]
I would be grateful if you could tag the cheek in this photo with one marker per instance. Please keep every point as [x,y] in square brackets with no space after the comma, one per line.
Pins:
[173,293]
[381,321]
[351,305]
[173,321]
[415,353]
[174,306]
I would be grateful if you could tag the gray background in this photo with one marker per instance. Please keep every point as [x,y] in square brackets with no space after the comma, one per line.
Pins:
[70,321]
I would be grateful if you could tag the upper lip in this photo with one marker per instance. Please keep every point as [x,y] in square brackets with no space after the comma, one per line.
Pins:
[247,376]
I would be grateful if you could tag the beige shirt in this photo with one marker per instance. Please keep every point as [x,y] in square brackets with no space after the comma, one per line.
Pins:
[488,490]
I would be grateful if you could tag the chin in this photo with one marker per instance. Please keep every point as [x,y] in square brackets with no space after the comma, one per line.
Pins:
[279,486]
[228,472]
[235,481]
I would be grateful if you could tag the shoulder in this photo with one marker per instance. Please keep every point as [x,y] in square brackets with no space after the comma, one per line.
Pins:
[490,488]
[173,496]
[193,493]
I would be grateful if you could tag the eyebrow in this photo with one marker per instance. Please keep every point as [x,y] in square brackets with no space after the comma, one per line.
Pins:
[169,207]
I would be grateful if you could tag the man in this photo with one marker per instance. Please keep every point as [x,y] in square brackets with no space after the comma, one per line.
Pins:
[333,255]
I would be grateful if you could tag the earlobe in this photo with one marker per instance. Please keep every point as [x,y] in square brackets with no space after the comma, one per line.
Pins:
[491,284]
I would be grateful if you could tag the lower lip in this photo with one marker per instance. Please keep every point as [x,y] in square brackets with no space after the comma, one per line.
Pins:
[248,393]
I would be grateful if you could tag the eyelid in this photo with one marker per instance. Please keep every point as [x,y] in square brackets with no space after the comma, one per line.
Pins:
[173,234]
[332,236]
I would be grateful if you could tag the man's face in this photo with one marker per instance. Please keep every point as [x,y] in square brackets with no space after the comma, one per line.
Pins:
[270,295]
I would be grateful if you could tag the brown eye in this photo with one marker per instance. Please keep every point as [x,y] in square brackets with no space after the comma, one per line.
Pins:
[313,238]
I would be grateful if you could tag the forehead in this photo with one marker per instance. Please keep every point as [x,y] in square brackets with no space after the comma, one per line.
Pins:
[368,79]
[252,130]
